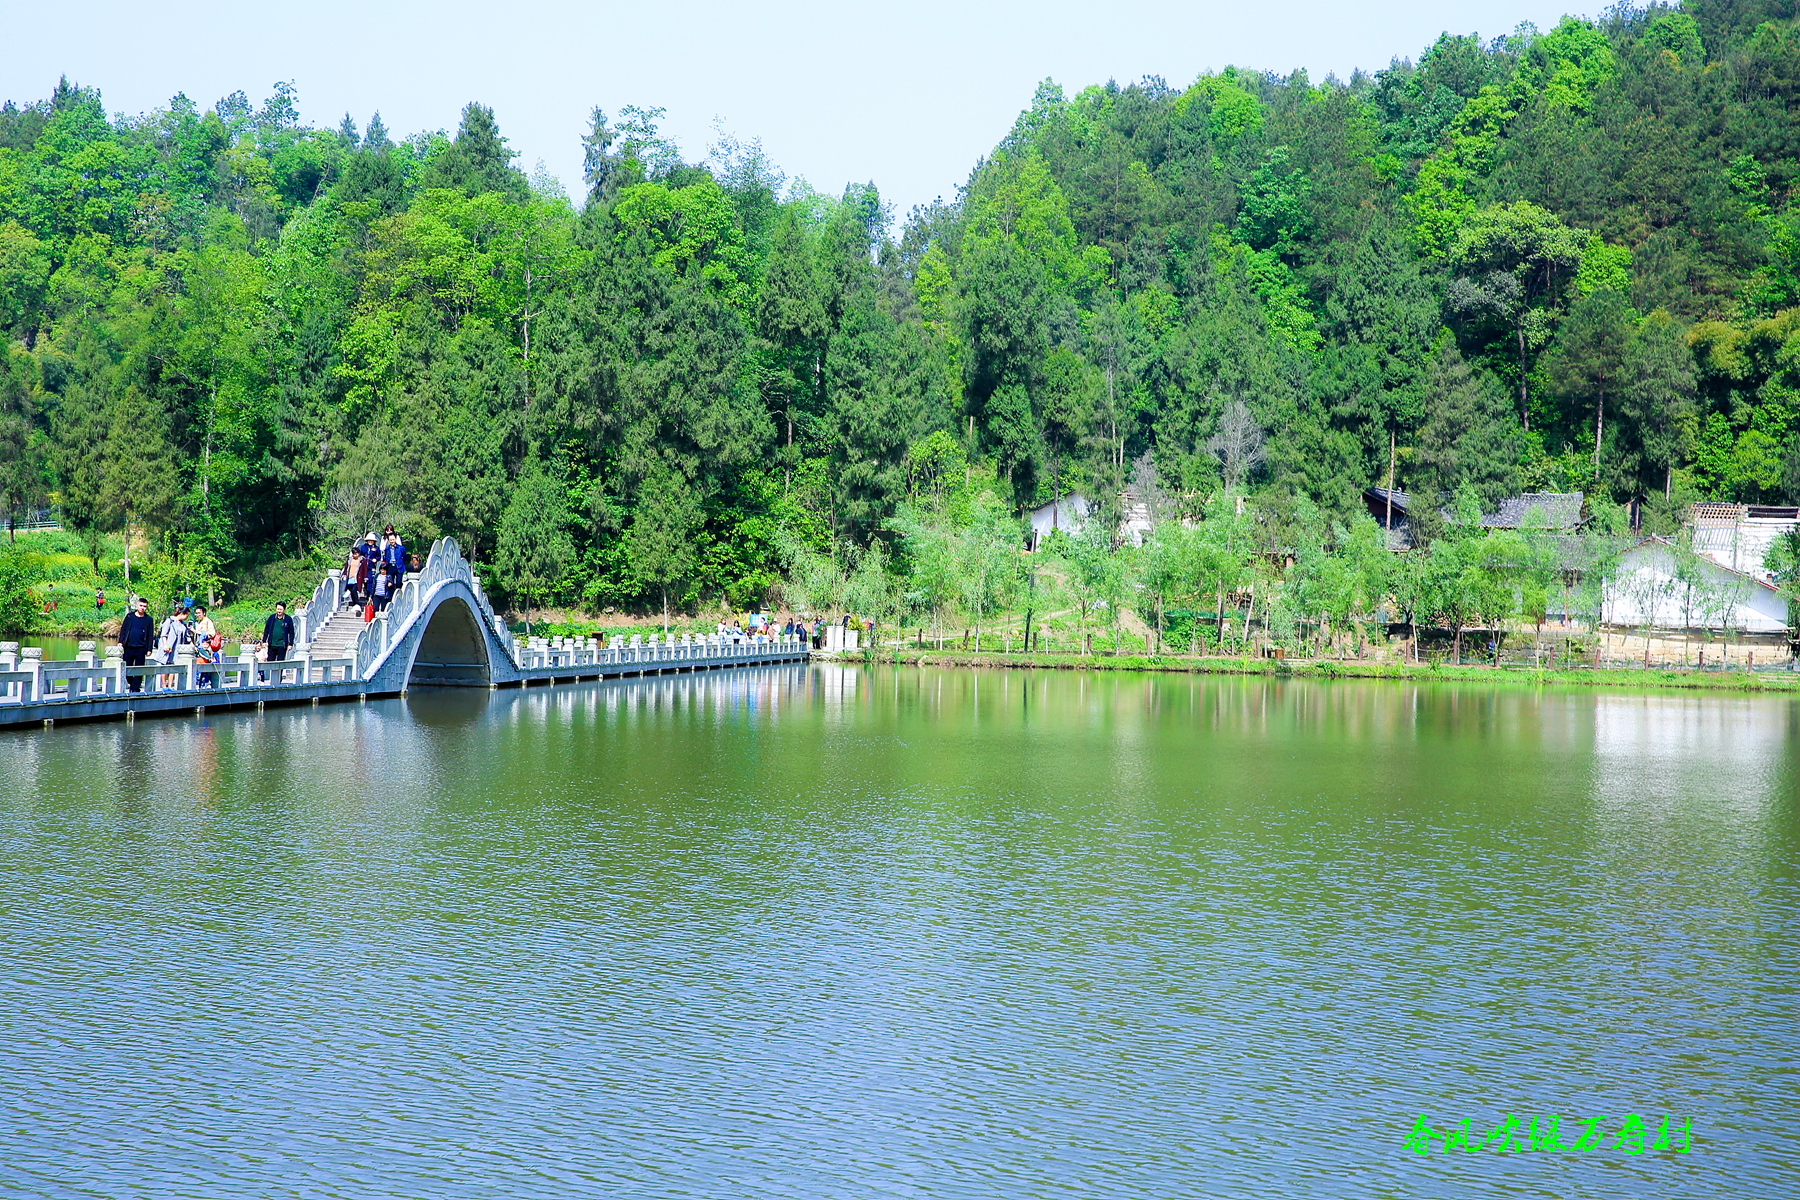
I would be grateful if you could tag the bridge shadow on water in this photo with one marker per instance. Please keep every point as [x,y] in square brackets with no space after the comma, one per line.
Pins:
[439,706]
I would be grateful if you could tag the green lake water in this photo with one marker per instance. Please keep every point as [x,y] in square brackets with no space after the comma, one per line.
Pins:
[65,648]
[838,932]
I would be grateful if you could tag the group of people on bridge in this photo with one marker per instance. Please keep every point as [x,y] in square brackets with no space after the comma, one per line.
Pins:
[188,626]
[375,569]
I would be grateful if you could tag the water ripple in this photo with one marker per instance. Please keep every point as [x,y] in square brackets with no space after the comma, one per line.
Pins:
[816,932]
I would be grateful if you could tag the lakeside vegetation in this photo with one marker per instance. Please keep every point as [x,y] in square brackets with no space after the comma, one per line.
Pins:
[1554,260]
[1737,680]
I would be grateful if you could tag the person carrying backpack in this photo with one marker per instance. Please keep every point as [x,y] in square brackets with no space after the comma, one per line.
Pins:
[173,635]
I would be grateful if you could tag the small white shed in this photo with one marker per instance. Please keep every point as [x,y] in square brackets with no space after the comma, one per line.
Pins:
[1068,514]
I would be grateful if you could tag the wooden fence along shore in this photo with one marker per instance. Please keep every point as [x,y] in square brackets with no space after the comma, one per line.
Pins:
[439,630]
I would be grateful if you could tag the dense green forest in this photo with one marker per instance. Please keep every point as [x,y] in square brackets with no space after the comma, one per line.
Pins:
[1562,260]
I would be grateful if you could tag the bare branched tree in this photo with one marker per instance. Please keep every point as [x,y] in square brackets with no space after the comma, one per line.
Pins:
[1146,481]
[355,509]
[1238,445]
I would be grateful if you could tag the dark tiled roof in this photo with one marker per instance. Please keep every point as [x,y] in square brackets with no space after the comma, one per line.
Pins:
[1543,510]
[1377,497]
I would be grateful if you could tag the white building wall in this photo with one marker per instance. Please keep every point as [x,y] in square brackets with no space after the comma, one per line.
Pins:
[1067,514]
[1742,544]
[1648,590]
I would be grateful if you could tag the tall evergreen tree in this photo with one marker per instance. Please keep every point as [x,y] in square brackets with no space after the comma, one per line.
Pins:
[1590,354]
[1469,441]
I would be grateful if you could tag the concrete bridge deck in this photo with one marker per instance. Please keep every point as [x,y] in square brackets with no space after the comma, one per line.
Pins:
[439,631]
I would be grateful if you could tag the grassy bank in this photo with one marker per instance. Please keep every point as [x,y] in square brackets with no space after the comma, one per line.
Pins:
[63,580]
[1735,681]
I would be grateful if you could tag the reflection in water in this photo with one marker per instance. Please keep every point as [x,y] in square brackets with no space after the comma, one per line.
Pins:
[1657,753]
[829,930]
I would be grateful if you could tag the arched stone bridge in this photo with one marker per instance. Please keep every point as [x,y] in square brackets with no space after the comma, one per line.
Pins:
[439,630]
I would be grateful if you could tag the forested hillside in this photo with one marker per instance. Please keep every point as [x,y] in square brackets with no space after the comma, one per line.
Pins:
[1553,260]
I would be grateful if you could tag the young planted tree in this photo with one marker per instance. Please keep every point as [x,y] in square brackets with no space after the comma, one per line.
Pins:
[1318,587]
[872,591]
[929,545]
[1369,566]
[817,581]
[1782,561]
[1452,572]
[1448,582]
[1091,565]
[1220,558]
[1409,586]
[1493,581]
[987,559]
[1164,572]
[1118,582]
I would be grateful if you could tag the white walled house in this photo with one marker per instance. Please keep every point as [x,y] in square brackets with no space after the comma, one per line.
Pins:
[1658,585]
[1067,514]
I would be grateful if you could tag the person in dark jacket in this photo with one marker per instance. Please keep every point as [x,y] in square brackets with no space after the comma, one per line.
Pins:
[278,633]
[136,635]
[371,553]
[393,553]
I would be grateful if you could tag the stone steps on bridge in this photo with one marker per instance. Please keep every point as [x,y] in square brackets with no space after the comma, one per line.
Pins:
[337,637]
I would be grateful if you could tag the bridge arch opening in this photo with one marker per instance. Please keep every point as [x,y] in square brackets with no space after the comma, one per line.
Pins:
[452,649]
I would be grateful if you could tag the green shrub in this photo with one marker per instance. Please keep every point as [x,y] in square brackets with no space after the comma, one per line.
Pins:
[19,601]
[289,579]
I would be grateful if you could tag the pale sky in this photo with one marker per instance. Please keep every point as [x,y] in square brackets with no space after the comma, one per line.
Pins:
[908,96]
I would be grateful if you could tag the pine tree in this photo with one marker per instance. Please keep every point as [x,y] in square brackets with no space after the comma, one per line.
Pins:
[1469,442]
[596,163]
[1590,354]
[377,137]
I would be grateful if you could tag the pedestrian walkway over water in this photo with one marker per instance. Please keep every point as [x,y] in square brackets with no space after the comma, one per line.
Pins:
[439,631]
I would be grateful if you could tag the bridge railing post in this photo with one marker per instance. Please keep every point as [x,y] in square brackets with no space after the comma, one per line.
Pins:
[31,664]
[183,670]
